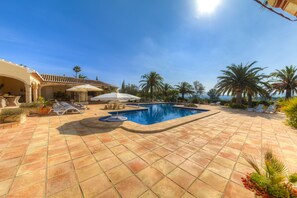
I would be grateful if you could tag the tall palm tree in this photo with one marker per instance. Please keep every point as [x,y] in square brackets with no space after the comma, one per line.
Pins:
[151,82]
[166,89]
[185,88]
[76,69]
[242,79]
[285,81]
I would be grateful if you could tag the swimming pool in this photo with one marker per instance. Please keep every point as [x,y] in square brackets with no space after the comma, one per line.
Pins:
[156,113]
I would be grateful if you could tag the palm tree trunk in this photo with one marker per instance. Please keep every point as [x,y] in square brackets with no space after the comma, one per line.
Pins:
[183,96]
[288,93]
[152,93]
[250,101]
[238,97]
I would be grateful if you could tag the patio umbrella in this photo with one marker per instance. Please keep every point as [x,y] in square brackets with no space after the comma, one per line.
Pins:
[84,88]
[121,97]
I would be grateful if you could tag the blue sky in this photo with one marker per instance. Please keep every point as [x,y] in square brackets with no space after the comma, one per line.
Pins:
[121,40]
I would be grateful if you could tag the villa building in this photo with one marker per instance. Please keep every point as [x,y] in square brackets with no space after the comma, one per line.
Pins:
[18,80]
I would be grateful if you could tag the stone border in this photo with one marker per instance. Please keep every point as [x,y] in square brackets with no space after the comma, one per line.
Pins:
[152,128]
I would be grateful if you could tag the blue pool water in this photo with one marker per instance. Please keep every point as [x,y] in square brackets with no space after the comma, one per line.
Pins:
[157,113]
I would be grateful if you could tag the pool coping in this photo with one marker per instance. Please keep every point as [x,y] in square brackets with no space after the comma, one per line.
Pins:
[152,128]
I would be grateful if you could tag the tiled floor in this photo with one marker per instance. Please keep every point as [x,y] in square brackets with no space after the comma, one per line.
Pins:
[57,157]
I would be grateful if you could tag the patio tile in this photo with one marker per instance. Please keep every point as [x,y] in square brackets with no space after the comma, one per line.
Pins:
[236,177]
[243,168]
[109,163]
[162,151]
[203,190]
[148,194]
[118,149]
[220,170]
[224,162]
[60,182]
[73,192]
[87,172]
[10,163]
[187,195]
[28,179]
[150,176]
[175,159]
[131,187]
[60,169]
[118,173]
[183,152]
[34,158]
[126,156]
[181,177]
[164,166]
[136,165]
[36,190]
[104,154]
[110,193]
[191,168]
[167,188]
[58,159]
[27,168]
[233,189]
[4,186]
[83,161]
[7,173]
[95,185]
[201,161]
[150,157]
[217,182]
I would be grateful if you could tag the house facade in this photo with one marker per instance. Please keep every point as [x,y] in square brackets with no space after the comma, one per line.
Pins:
[18,80]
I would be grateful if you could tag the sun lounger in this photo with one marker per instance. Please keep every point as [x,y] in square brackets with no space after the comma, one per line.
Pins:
[271,109]
[63,107]
[258,109]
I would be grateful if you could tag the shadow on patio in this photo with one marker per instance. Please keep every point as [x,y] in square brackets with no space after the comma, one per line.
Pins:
[88,126]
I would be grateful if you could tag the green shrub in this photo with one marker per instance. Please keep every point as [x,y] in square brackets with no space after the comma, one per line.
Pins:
[237,106]
[290,108]
[271,181]
[29,105]
[11,114]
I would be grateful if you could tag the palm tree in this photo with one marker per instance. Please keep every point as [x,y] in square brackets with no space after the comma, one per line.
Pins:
[151,82]
[76,69]
[239,79]
[285,81]
[166,89]
[185,88]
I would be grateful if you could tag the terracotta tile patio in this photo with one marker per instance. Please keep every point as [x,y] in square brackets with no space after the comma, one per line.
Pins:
[56,156]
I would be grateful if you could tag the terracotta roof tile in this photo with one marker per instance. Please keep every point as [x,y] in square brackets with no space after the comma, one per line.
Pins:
[67,79]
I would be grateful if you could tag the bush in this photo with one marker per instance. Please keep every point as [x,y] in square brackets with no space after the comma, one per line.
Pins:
[237,106]
[272,180]
[29,105]
[11,114]
[290,109]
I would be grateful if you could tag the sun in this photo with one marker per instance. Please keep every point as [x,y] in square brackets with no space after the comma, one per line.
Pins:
[207,6]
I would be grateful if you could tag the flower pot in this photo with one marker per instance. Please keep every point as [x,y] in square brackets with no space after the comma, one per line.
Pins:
[44,110]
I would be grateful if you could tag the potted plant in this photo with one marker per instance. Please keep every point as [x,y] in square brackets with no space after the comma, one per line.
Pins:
[271,180]
[43,108]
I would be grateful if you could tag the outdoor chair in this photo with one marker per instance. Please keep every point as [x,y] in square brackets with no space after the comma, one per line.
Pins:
[13,101]
[2,102]
[64,107]
[271,109]
[258,109]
